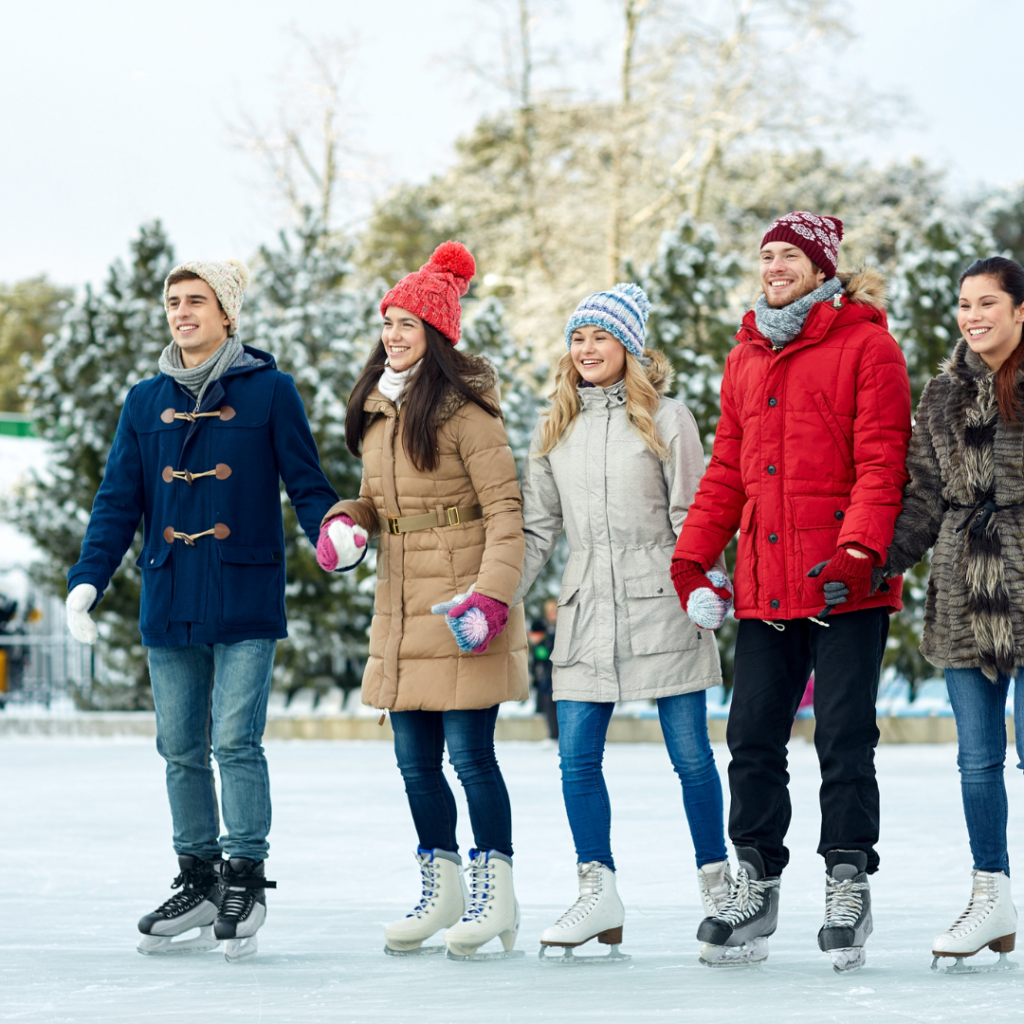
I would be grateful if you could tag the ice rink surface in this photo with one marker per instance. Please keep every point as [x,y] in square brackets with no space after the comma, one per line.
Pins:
[85,841]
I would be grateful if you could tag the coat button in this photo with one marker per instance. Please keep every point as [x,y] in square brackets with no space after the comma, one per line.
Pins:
[771,471]
[839,513]
[773,402]
[152,560]
[661,590]
[773,538]
[775,605]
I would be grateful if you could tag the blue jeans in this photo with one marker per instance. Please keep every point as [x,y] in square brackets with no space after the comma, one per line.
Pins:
[420,737]
[583,726]
[213,697]
[979,707]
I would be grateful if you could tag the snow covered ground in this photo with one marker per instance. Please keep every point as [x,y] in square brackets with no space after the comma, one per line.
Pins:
[84,848]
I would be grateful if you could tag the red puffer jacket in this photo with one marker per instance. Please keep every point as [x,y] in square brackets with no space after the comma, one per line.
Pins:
[809,454]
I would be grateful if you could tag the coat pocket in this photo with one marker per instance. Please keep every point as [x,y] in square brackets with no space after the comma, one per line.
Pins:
[566,652]
[746,556]
[657,622]
[155,610]
[844,444]
[817,521]
[251,586]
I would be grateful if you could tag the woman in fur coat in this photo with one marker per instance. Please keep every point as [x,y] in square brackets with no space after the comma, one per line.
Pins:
[439,484]
[965,499]
[614,465]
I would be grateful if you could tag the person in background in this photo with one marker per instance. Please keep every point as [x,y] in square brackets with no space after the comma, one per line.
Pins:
[542,643]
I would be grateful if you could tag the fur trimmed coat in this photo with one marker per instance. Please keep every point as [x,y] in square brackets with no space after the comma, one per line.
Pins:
[962,456]
[415,663]
[621,634]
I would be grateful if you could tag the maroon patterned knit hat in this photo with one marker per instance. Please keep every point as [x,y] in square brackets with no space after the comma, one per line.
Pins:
[433,291]
[818,237]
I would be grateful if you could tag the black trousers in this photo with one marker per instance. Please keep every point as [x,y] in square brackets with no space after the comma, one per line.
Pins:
[770,675]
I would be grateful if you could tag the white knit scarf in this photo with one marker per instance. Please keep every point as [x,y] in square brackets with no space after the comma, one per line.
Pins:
[392,383]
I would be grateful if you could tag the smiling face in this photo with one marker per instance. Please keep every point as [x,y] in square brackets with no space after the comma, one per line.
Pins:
[197,322]
[988,319]
[787,274]
[404,337]
[599,357]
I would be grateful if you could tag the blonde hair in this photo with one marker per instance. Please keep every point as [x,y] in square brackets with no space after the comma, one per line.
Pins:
[642,400]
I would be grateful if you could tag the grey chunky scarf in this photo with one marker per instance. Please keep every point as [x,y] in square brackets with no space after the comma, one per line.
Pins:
[199,378]
[782,325]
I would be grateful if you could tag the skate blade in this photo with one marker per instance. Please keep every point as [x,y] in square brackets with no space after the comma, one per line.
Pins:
[569,958]
[847,958]
[959,967]
[172,945]
[239,949]
[418,951]
[753,952]
[500,954]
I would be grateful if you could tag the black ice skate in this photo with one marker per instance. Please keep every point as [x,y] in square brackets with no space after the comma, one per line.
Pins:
[738,934]
[243,906]
[847,909]
[194,907]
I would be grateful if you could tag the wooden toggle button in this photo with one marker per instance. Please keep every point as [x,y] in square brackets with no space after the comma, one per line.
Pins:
[223,471]
[226,413]
[169,534]
[168,474]
[168,415]
[220,531]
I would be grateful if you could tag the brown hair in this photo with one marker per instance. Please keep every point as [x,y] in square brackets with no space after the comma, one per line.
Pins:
[442,369]
[1010,276]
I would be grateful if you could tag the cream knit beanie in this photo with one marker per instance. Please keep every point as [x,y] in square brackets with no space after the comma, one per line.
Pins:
[228,279]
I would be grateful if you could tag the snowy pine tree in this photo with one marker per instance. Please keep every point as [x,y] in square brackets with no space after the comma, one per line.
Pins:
[303,310]
[109,340]
[521,378]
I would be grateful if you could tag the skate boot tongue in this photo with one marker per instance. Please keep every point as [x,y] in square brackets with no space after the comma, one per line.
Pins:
[845,872]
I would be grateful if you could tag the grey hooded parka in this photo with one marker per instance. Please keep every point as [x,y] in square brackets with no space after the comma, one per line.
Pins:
[621,634]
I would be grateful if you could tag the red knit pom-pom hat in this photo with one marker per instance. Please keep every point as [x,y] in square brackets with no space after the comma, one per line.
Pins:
[433,291]
[817,236]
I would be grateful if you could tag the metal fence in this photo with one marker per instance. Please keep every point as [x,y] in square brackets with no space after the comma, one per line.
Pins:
[42,661]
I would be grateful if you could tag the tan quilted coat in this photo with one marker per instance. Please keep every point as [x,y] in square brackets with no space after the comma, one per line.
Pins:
[414,662]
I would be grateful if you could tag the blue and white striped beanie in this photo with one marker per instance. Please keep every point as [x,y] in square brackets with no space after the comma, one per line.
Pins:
[621,311]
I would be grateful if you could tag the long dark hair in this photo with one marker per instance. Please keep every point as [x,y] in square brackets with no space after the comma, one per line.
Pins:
[442,369]
[1010,276]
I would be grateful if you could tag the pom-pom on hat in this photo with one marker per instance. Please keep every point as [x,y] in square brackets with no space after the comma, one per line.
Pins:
[818,237]
[621,311]
[228,279]
[433,291]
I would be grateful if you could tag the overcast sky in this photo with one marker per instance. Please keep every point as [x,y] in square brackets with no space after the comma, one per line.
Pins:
[117,111]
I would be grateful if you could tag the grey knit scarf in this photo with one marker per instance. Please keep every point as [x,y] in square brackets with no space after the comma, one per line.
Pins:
[782,325]
[199,378]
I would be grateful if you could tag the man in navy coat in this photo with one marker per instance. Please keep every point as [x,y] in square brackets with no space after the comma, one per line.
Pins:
[199,456]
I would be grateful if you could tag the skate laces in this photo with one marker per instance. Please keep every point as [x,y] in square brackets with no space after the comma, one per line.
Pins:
[843,902]
[745,898]
[984,890]
[429,879]
[193,882]
[590,896]
[481,888]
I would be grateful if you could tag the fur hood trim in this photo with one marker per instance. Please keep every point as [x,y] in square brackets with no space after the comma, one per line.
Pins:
[659,370]
[481,379]
[866,287]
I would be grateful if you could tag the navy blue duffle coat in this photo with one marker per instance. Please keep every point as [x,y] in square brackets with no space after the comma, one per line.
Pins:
[228,584]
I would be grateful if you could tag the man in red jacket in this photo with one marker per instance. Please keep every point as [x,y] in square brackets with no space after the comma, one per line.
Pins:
[808,465]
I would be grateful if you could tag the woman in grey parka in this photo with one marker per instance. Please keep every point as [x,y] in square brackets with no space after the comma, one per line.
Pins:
[615,464]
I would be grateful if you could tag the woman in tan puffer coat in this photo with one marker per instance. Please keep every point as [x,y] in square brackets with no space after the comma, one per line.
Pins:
[439,484]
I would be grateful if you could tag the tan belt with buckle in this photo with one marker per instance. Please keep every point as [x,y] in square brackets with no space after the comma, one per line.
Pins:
[430,520]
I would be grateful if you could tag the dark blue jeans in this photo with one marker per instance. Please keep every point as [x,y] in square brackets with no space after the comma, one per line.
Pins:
[420,737]
[583,726]
[979,707]
[213,698]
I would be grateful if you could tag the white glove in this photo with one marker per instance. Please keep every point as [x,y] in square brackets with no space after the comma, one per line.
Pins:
[343,537]
[80,600]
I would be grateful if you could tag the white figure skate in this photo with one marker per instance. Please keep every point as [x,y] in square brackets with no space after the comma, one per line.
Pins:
[493,910]
[598,913]
[195,907]
[989,920]
[442,903]
[243,906]
[737,935]
[847,909]
[714,881]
